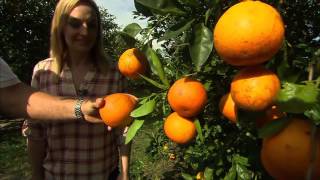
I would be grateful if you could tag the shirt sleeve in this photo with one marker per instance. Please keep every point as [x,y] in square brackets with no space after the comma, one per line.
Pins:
[7,77]
[35,80]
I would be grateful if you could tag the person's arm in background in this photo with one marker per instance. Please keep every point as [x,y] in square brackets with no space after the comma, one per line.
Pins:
[124,149]
[36,154]
[20,100]
[125,161]
[124,152]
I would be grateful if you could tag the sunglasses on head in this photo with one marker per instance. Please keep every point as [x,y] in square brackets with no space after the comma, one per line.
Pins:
[76,23]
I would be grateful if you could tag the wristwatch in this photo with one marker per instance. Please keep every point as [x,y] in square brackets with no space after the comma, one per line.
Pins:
[77,109]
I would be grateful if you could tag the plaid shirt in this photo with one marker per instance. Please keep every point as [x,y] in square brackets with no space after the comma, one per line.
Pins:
[76,150]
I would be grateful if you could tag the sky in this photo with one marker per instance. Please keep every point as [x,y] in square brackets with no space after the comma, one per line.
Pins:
[122,10]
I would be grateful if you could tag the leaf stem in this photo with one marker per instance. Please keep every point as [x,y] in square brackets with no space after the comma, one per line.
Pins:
[311,71]
[285,51]
[152,29]
[183,44]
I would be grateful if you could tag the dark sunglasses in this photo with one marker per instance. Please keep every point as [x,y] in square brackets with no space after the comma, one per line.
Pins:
[76,23]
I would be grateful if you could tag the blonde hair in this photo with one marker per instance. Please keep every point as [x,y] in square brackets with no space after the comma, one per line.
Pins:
[58,47]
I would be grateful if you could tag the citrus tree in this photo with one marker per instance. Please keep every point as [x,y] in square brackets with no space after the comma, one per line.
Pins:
[259,65]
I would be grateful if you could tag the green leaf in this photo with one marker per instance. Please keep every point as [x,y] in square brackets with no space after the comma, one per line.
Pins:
[162,6]
[194,3]
[208,173]
[273,127]
[287,73]
[243,173]
[142,9]
[318,79]
[314,114]
[144,109]
[201,45]
[156,84]
[241,163]
[186,176]
[239,169]
[132,29]
[302,46]
[240,160]
[129,33]
[144,100]
[294,98]
[213,3]
[133,129]
[129,40]
[155,64]
[232,174]
[207,15]
[177,29]
[199,129]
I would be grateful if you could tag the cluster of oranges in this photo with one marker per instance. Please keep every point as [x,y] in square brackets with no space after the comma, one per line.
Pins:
[187,97]
[247,35]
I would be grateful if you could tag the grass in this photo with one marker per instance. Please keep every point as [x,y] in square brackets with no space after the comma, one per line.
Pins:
[149,160]
[144,164]
[13,156]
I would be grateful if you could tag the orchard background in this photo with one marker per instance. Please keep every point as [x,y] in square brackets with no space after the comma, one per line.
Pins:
[221,150]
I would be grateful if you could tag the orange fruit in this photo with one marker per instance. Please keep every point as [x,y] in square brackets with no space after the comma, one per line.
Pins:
[200,176]
[117,108]
[248,33]
[179,129]
[228,108]
[272,113]
[165,147]
[254,88]
[187,97]
[172,156]
[287,155]
[132,63]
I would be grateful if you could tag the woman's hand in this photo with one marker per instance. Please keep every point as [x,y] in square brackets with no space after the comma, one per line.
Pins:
[90,110]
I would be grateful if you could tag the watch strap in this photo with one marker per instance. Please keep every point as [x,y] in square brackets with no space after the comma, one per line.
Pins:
[77,108]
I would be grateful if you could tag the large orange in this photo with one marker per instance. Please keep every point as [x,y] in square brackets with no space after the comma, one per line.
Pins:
[287,155]
[254,88]
[179,129]
[228,108]
[117,108]
[187,97]
[132,63]
[248,33]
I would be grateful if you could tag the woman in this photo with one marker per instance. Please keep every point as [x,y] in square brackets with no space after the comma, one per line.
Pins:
[76,68]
